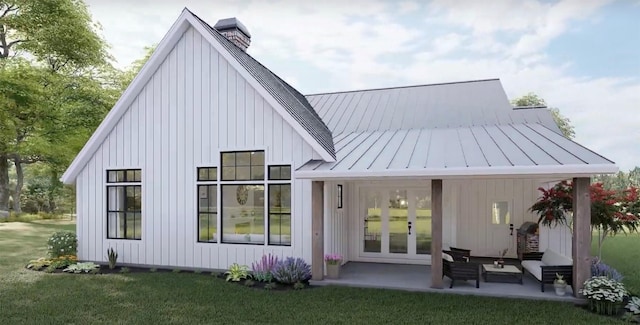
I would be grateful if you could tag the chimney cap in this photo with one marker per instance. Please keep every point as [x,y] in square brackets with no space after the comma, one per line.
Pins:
[231,23]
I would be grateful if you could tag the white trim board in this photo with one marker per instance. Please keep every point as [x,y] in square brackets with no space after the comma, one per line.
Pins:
[464,172]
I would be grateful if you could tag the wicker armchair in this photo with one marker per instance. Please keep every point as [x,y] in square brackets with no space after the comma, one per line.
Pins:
[460,270]
[460,254]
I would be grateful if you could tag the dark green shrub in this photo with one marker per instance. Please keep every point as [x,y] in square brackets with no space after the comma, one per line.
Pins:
[125,270]
[270,286]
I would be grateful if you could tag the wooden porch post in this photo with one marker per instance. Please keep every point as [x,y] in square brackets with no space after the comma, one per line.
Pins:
[436,234]
[317,229]
[581,244]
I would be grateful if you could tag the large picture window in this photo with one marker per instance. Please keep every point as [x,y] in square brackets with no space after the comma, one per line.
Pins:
[243,214]
[254,209]
[124,204]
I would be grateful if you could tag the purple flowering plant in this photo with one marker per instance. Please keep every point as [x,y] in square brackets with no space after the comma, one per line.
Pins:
[333,259]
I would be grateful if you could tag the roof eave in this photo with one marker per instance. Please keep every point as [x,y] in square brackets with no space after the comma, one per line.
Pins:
[583,170]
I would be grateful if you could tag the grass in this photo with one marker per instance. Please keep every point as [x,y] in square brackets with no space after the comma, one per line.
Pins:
[185,298]
[623,253]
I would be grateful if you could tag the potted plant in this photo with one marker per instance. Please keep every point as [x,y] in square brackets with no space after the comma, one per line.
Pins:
[502,253]
[605,296]
[560,285]
[333,263]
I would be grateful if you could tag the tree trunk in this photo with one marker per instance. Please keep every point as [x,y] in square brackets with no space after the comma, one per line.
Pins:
[4,183]
[19,183]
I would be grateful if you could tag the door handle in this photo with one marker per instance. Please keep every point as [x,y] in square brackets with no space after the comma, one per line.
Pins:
[409,226]
[511,229]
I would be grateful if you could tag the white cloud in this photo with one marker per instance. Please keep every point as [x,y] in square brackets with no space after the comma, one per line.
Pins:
[360,44]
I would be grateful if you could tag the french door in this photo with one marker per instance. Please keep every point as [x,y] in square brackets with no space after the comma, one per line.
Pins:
[395,223]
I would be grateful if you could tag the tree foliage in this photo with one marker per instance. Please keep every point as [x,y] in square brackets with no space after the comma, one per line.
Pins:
[612,211]
[564,123]
[56,85]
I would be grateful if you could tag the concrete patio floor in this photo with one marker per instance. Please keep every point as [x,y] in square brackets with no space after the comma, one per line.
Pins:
[418,278]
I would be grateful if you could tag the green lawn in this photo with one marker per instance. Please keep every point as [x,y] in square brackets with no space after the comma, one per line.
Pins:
[623,253]
[28,297]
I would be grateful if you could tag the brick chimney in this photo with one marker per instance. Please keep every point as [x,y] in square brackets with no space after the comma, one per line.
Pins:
[234,31]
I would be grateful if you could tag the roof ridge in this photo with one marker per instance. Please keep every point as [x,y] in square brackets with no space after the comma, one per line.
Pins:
[401,87]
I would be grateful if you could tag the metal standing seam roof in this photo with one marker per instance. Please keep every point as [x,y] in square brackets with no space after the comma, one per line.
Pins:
[507,145]
[294,102]
[445,105]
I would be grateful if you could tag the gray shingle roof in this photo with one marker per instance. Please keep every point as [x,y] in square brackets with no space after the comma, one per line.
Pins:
[295,103]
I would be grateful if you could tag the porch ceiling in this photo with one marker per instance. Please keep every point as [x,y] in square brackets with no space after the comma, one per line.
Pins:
[479,151]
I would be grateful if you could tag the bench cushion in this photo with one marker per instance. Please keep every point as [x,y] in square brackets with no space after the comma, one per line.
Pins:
[533,267]
[552,258]
[447,257]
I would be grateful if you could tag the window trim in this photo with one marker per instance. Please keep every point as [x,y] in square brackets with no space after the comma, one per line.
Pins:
[107,184]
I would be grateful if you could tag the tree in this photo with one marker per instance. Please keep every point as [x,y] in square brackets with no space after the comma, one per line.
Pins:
[49,53]
[612,212]
[564,123]
[132,71]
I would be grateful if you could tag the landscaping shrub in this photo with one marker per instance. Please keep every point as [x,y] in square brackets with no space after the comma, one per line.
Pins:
[262,270]
[62,243]
[238,272]
[292,270]
[598,268]
[82,267]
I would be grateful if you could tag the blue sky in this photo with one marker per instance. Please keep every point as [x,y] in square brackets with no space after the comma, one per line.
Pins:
[582,56]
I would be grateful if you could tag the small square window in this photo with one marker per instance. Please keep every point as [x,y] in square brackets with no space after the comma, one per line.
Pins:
[281,172]
[207,174]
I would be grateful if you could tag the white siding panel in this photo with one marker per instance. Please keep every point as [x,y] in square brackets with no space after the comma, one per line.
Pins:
[474,229]
[194,106]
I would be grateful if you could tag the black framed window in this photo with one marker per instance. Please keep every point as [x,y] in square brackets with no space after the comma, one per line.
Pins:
[280,214]
[207,174]
[208,213]
[279,172]
[339,198]
[243,166]
[239,193]
[242,213]
[124,204]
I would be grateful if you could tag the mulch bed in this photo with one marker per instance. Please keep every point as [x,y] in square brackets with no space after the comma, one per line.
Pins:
[104,269]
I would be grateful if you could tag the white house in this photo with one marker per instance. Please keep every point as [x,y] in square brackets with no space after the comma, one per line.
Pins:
[209,158]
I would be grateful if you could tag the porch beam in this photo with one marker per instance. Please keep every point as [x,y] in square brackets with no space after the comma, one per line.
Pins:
[317,229]
[581,240]
[436,234]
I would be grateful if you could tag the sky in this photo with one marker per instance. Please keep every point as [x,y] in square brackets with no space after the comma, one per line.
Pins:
[581,56]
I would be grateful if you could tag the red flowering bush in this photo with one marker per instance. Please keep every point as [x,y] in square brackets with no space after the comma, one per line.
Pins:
[611,212]
[553,204]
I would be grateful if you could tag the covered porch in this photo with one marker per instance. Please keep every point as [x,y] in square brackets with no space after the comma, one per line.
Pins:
[418,278]
[458,212]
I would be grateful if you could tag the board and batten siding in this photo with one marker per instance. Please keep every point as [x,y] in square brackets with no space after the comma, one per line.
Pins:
[336,224]
[195,105]
[474,227]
